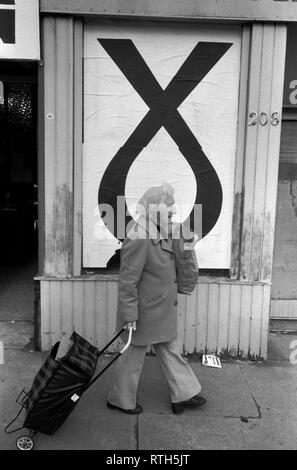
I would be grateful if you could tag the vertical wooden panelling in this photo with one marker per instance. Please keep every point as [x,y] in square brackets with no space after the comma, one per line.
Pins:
[101,314]
[55,311]
[190,321]
[77,141]
[111,289]
[224,317]
[40,169]
[228,318]
[64,148]
[78,306]
[256,321]
[267,59]
[202,316]
[49,52]
[251,149]
[234,318]
[261,134]
[66,307]
[45,316]
[241,129]
[89,310]
[62,45]
[245,319]
[213,317]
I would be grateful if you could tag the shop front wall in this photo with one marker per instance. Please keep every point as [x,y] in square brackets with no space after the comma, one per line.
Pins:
[228,115]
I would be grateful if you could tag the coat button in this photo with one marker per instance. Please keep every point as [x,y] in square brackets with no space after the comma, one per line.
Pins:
[175,280]
[175,303]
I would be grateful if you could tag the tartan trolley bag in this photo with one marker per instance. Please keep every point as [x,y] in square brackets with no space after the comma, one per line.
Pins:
[58,386]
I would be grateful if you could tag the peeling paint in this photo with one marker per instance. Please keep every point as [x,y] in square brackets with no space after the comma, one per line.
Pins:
[257,248]
[59,240]
[293,194]
[235,247]
[245,247]
[267,249]
[63,229]
[79,221]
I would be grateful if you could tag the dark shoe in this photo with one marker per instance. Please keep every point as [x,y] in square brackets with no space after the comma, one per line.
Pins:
[193,402]
[132,411]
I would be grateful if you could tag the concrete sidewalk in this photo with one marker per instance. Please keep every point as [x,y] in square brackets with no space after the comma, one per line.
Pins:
[250,406]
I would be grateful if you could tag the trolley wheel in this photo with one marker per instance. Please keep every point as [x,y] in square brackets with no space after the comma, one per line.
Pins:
[24,443]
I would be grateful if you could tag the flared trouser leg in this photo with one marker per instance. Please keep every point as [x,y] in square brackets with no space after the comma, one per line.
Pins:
[182,381]
[123,392]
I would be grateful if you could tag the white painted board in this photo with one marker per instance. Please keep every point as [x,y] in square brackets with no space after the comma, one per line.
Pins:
[19,29]
[113,109]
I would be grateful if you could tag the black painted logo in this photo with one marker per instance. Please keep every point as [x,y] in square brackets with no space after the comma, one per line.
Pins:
[7,22]
[164,112]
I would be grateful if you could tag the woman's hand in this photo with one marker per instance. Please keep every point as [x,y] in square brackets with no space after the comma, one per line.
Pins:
[191,245]
[130,324]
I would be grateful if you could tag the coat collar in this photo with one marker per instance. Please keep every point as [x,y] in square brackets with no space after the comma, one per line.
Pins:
[166,244]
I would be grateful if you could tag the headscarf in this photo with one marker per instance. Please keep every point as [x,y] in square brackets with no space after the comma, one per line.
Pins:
[147,206]
[155,196]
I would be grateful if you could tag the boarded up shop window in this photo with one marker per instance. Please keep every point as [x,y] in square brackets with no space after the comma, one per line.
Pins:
[288,146]
[160,103]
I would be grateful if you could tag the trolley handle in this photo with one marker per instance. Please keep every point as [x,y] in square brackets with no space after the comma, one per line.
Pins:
[128,342]
[115,358]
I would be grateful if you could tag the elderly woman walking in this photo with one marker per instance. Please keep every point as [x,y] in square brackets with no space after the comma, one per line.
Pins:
[147,302]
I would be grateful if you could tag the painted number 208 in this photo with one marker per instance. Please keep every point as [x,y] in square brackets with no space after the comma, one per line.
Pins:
[263,118]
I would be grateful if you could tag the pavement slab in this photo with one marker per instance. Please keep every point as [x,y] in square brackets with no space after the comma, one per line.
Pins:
[225,389]
[181,432]
[17,302]
[16,334]
[17,292]
[91,425]
[274,388]
[199,432]
[281,346]
[250,406]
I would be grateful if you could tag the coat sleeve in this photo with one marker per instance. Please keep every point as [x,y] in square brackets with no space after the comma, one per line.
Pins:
[133,258]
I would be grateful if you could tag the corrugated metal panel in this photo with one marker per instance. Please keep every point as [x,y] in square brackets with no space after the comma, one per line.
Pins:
[224,317]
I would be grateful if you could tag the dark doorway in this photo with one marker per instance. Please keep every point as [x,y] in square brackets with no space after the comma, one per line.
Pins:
[18,200]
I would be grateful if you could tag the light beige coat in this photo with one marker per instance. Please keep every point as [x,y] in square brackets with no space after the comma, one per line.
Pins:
[148,288]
